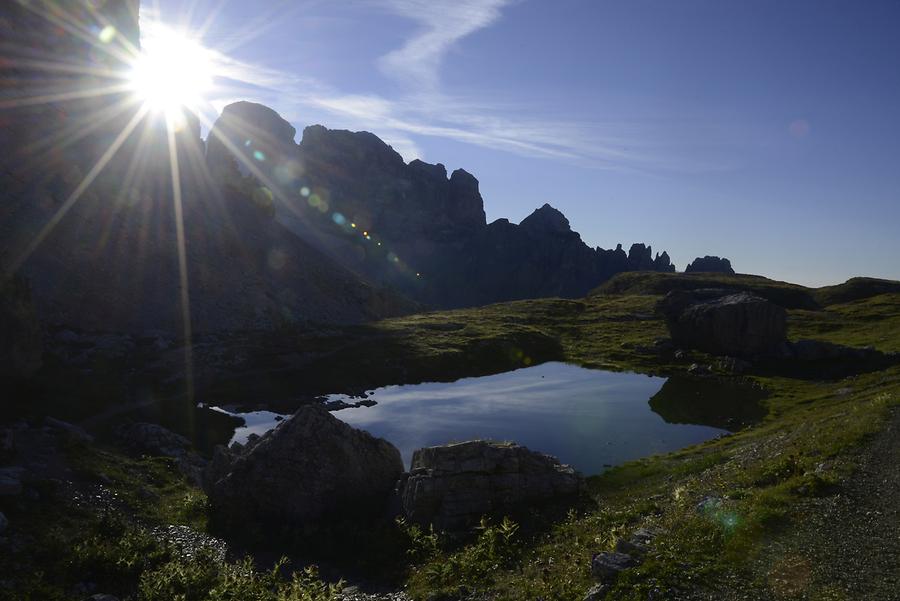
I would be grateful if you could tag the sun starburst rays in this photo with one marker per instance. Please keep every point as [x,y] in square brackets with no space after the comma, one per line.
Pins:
[164,86]
[172,74]
[76,194]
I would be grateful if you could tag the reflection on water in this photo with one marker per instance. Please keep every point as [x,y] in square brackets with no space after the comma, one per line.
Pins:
[709,402]
[590,419]
[255,422]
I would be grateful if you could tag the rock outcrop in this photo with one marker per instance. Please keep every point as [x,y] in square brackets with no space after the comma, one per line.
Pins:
[310,468]
[410,227]
[250,134]
[453,486]
[152,439]
[117,259]
[821,351]
[724,323]
[709,264]
[709,402]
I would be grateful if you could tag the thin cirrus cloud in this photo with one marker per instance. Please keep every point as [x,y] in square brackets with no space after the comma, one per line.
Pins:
[443,24]
[422,109]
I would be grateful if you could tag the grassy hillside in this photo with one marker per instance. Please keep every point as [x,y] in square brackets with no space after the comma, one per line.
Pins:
[855,289]
[773,483]
[790,296]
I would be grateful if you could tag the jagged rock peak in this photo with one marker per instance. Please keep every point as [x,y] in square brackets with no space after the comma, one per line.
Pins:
[257,118]
[640,257]
[349,146]
[464,177]
[710,264]
[547,219]
[662,262]
[247,129]
[436,171]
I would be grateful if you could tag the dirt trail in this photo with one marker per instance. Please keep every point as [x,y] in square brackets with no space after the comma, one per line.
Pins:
[848,546]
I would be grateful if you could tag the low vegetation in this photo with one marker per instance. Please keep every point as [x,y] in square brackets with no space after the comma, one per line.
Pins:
[722,508]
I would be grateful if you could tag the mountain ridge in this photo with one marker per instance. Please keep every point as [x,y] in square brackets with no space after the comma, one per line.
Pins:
[409,226]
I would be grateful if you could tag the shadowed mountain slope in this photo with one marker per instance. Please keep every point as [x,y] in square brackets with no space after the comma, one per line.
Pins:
[408,226]
[103,253]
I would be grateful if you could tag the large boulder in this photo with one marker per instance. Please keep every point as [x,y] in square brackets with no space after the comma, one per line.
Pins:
[722,322]
[310,468]
[152,439]
[453,486]
[710,264]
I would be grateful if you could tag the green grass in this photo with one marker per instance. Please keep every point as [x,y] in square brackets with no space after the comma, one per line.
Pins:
[111,542]
[871,321]
[790,296]
[763,474]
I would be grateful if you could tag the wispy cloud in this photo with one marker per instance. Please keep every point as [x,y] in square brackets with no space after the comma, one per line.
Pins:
[421,108]
[443,24]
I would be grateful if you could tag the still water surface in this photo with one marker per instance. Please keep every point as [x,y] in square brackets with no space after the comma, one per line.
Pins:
[588,418]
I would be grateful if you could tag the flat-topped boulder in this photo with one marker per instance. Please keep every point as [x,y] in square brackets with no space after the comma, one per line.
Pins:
[724,322]
[710,264]
[312,467]
[453,486]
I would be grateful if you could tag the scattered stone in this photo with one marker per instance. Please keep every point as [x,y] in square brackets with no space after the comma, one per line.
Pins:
[733,365]
[102,597]
[336,405]
[722,322]
[311,467]
[339,404]
[597,592]
[638,543]
[709,504]
[453,486]
[189,542]
[606,566]
[699,370]
[680,354]
[72,431]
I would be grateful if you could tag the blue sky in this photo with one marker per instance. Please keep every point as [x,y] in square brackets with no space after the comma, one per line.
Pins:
[764,131]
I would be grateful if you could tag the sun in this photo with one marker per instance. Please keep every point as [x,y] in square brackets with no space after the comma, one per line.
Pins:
[173,73]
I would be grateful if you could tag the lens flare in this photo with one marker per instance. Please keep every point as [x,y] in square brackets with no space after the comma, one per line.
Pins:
[172,74]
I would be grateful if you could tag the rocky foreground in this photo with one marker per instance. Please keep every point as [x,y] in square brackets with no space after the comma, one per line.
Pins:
[313,469]
[91,509]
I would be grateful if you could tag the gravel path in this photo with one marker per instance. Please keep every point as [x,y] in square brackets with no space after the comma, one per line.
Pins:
[848,547]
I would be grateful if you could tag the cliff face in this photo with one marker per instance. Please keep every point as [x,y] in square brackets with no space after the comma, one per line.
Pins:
[110,261]
[410,226]
[356,230]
